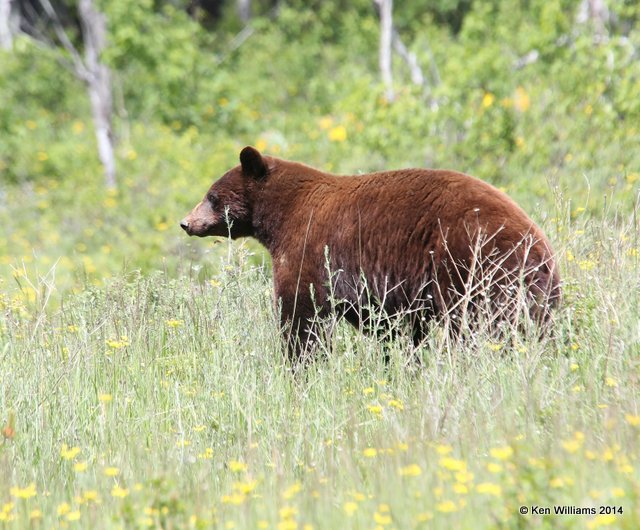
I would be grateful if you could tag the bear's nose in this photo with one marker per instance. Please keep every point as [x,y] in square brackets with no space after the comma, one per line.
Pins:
[184,224]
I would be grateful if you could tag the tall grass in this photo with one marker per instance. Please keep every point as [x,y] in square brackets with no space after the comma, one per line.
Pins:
[167,402]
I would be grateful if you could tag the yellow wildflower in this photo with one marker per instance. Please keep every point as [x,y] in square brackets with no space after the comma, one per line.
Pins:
[502,453]
[453,464]
[111,471]
[350,508]
[632,419]
[412,470]
[489,488]
[69,453]
[338,134]
[119,492]
[237,467]
[446,507]
[488,99]
[370,452]
[24,493]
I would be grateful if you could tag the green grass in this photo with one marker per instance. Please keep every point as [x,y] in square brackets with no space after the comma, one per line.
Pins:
[181,385]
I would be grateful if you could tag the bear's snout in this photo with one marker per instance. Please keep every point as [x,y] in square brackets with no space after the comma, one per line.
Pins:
[184,224]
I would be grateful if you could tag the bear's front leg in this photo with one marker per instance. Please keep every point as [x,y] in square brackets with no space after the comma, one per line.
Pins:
[299,317]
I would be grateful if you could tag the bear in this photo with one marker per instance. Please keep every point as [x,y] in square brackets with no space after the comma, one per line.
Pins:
[417,244]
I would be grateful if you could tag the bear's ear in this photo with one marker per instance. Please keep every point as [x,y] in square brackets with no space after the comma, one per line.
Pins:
[253,165]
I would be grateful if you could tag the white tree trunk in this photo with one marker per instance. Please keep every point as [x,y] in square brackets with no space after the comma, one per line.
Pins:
[98,79]
[244,10]
[6,36]
[386,30]
[598,13]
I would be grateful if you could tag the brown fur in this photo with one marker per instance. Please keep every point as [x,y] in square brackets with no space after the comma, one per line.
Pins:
[430,242]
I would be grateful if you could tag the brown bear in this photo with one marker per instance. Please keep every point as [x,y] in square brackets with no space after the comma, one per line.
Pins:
[415,243]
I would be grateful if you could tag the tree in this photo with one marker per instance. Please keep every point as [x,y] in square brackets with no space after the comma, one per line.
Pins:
[94,73]
[390,39]
[6,33]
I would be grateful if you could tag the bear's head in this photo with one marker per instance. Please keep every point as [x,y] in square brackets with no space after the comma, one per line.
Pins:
[226,208]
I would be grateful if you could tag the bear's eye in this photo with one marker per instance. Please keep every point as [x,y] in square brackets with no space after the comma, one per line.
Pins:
[213,199]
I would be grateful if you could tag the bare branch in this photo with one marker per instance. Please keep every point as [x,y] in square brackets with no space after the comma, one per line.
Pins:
[79,66]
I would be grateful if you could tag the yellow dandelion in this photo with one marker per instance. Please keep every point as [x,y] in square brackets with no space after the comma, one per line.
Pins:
[494,468]
[368,390]
[350,508]
[77,127]
[24,493]
[611,382]
[464,476]
[245,487]
[111,471]
[119,492]
[488,99]
[105,398]
[287,512]
[446,507]
[381,516]
[617,492]
[288,524]
[424,517]
[63,509]
[326,122]
[261,144]
[521,100]
[489,488]
[572,446]
[375,409]
[502,453]
[237,467]
[234,498]
[557,482]
[338,134]
[174,323]
[80,467]
[35,514]
[632,419]
[453,464]
[73,516]
[412,470]
[370,452]
[443,450]
[292,490]
[574,366]
[460,489]
[90,496]
[396,404]
[69,453]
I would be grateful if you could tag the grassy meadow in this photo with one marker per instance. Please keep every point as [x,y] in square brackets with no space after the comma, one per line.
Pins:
[142,376]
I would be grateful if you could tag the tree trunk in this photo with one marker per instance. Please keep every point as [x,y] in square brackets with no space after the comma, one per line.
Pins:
[244,10]
[598,13]
[98,79]
[386,30]
[6,36]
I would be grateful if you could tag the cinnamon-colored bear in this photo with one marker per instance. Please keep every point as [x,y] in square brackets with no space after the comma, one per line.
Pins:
[415,243]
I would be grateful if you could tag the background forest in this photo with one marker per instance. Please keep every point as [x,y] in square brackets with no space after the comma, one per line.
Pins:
[141,378]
